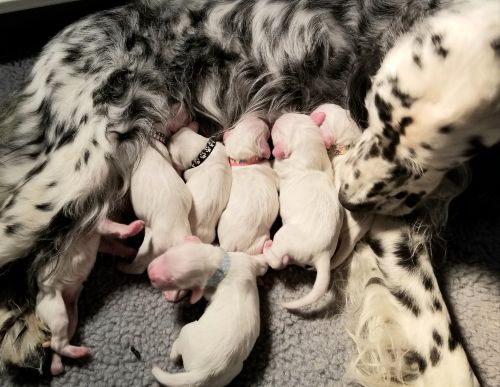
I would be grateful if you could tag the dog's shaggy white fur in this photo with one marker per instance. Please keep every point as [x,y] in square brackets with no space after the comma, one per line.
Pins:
[213,348]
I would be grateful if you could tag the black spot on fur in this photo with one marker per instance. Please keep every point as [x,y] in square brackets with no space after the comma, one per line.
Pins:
[413,357]
[446,129]
[67,138]
[12,229]
[412,200]
[95,143]
[44,206]
[475,146]
[346,186]
[404,123]
[426,146]
[435,356]
[438,339]
[407,301]
[412,152]
[405,98]
[417,60]
[52,184]
[384,109]
[427,282]
[113,89]
[357,174]
[436,304]
[399,174]
[495,45]
[437,41]
[374,151]
[401,195]
[73,54]
[376,245]
[78,165]
[84,119]
[453,337]
[376,188]
[86,156]
[407,258]
[36,170]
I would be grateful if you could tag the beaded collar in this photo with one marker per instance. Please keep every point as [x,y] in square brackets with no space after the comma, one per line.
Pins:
[205,152]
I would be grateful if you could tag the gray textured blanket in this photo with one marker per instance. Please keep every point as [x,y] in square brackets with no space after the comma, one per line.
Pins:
[118,312]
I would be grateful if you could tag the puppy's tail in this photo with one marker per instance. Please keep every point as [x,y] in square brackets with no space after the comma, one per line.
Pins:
[320,285]
[190,378]
[21,337]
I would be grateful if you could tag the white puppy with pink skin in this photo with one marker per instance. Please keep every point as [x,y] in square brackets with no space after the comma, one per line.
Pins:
[213,348]
[309,206]
[253,202]
[208,182]
[340,133]
[160,197]
[59,287]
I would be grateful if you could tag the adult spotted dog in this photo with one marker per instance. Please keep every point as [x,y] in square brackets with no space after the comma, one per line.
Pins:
[72,135]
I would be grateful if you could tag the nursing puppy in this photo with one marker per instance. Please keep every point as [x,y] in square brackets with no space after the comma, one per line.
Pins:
[159,197]
[209,182]
[213,348]
[59,288]
[309,207]
[253,203]
[340,133]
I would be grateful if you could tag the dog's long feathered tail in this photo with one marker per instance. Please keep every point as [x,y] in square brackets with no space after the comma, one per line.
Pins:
[190,378]
[320,285]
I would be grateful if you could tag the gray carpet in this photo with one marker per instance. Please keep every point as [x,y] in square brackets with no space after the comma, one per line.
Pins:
[119,311]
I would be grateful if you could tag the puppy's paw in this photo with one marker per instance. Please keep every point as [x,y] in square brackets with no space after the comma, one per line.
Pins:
[174,295]
[74,352]
[56,366]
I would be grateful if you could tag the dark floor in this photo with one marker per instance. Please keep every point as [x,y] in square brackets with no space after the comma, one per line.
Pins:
[26,32]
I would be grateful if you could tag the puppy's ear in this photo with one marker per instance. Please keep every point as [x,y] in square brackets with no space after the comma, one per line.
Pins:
[192,238]
[194,126]
[280,152]
[318,117]
[265,150]
[196,295]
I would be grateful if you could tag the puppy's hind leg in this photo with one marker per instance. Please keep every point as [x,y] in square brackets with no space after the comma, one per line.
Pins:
[51,309]
[175,352]
[287,244]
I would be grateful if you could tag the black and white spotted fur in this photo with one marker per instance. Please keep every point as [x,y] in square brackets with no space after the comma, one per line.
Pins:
[71,137]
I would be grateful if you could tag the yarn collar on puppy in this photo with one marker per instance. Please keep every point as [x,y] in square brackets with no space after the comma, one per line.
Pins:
[242,163]
[339,149]
[220,273]
[203,155]
[158,136]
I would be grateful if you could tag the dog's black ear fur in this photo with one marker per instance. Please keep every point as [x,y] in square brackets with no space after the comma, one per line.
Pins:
[357,88]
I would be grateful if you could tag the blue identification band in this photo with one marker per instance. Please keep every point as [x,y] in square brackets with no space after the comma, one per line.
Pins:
[220,273]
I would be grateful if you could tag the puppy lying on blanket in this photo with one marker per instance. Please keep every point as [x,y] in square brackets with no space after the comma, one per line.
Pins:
[253,203]
[340,133]
[309,207]
[213,348]
[159,197]
[208,178]
[60,286]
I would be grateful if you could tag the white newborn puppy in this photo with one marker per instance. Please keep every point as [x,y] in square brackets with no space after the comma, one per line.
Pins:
[213,348]
[253,203]
[159,197]
[59,287]
[209,182]
[340,133]
[310,210]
